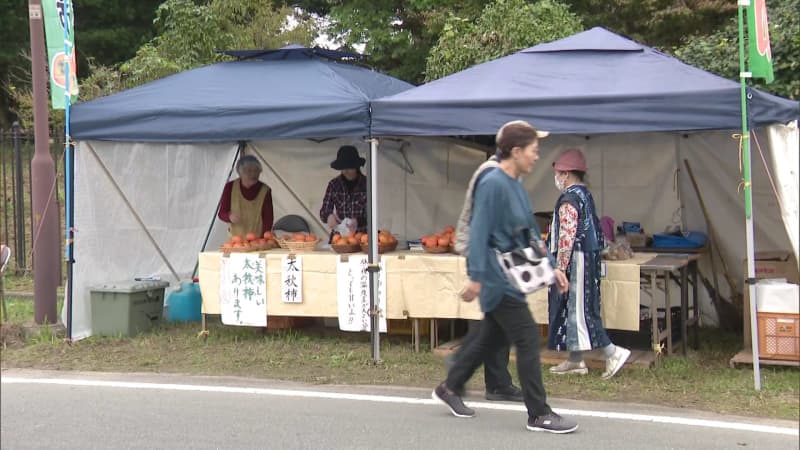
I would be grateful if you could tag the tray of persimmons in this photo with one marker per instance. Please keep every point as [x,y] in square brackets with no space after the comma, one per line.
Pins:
[250,242]
[356,242]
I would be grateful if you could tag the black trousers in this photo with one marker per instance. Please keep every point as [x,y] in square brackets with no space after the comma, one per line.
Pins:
[495,366]
[510,321]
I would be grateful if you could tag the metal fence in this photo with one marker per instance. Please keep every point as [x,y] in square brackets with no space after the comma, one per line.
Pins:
[16,229]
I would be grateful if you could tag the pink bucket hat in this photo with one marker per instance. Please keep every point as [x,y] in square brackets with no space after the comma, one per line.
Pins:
[571,159]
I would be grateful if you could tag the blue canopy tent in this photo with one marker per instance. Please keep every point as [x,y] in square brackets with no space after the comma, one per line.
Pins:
[591,82]
[270,95]
[197,117]
[639,113]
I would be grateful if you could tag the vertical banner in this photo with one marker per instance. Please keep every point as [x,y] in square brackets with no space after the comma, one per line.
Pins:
[758,41]
[59,38]
[352,289]
[292,279]
[243,290]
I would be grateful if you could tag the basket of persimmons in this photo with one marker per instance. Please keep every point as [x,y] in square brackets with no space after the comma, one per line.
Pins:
[298,242]
[442,242]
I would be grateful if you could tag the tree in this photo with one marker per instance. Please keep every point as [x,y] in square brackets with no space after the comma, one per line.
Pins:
[190,33]
[503,27]
[397,35]
[719,52]
[657,23]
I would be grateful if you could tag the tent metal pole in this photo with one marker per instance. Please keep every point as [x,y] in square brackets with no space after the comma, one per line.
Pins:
[373,266]
[133,211]
[288,188]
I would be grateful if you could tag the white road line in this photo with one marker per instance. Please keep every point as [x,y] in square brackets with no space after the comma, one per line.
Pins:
[403,400]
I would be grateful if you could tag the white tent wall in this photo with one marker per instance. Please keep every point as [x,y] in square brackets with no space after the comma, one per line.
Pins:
[785,142]
[173,188]
[714,158]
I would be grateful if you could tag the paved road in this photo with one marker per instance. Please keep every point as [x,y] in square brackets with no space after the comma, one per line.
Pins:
[54,410]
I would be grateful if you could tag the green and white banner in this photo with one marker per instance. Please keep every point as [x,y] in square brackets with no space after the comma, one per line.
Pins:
[758,38]
[55,13]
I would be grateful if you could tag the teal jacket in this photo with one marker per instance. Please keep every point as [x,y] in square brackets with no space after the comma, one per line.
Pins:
[501,216]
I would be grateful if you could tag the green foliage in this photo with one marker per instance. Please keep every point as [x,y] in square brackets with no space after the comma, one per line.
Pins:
[396,34]
[657,23]
[719,51]
[190,32]
[504,27]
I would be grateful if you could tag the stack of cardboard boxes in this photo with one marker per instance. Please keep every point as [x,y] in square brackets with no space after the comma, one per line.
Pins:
[779,331]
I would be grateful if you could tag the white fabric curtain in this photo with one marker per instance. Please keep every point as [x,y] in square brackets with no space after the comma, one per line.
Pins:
[784,140]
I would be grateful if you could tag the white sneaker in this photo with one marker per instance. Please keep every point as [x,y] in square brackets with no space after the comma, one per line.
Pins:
[616,361]
[569,367]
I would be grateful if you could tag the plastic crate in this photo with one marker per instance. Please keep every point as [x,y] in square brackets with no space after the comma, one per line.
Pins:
[779,336]
[126,308]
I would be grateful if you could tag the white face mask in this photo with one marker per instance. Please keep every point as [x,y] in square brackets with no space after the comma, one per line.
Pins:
[559,184]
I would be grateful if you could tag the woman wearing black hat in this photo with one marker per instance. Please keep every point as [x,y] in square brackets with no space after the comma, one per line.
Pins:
[346,195]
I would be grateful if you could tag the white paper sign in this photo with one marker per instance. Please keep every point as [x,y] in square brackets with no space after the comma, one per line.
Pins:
[352,289]
[243,290]
[292,279]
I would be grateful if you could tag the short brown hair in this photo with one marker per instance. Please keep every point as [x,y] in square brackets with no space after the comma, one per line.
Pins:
[517,133]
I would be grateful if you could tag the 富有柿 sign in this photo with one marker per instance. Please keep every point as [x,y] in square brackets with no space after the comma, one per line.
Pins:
[292,279]
[243,290]
[352,294]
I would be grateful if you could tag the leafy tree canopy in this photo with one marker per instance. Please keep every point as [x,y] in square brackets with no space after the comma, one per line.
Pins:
[503,27]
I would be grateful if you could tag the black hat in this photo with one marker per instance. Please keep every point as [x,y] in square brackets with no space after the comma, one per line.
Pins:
[347,158]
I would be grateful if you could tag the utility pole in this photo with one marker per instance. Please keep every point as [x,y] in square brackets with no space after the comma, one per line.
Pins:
[46,245]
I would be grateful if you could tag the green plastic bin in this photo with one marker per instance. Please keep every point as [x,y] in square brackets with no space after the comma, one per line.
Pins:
[126,308]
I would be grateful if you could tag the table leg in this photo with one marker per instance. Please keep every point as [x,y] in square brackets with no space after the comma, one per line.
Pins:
[433,334]
[415,334]
[668,312]
[684,308]
[654,314]
[695,309]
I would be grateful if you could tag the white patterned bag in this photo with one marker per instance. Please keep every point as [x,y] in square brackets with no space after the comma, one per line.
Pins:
[528,269]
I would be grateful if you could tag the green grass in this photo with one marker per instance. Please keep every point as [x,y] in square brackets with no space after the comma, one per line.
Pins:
[702,380]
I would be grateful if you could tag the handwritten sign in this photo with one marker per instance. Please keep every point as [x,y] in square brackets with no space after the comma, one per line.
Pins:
[242,290]
[292,279]
[352,289]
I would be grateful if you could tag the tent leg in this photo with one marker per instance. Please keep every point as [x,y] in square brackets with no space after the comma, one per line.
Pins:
[373,267]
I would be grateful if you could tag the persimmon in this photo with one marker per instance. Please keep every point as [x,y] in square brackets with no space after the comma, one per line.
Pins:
[299,237]
[236,239]
[382,239]
[227,245]
[352,240]
[251,236]
[311,238]
[364,239]
[268,235]
[449,229]
[443,241]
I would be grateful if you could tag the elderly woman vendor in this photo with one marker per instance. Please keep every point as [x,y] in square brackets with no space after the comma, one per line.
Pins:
[246,202]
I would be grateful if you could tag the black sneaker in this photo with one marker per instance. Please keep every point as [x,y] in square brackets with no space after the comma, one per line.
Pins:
[552,423]
[508,393]
[452,400]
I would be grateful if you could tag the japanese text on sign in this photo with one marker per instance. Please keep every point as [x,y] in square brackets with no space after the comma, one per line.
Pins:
[242,287]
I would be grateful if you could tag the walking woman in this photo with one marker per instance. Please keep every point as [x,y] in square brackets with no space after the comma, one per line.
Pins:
[576,240]
[502,219]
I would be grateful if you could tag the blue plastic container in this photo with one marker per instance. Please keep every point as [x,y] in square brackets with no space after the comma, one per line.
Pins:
[185,304]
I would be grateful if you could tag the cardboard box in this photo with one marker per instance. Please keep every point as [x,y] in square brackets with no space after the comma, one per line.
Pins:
[774,264]
[779,336]
[636,239]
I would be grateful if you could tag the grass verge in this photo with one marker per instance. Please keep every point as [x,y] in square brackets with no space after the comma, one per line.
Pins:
[702,380]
